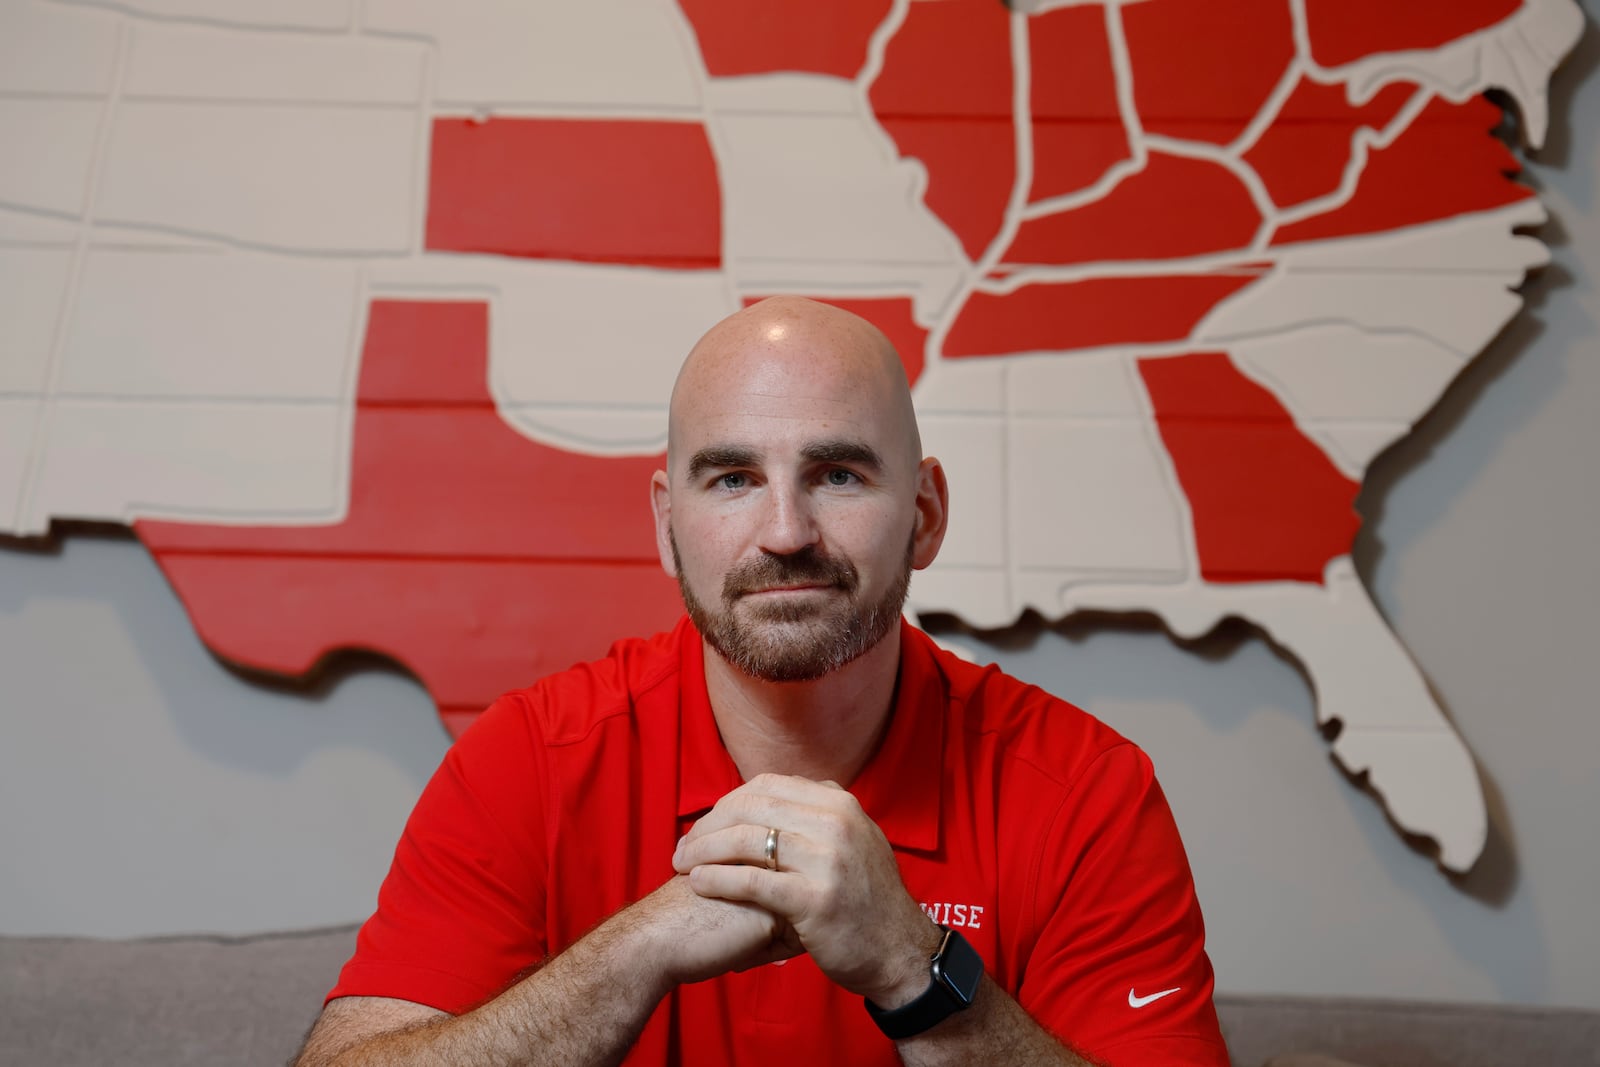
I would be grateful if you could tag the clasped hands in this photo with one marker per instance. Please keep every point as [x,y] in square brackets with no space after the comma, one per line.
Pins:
[836,893]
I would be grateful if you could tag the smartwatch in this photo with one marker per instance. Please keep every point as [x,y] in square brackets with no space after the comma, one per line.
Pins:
[957,969]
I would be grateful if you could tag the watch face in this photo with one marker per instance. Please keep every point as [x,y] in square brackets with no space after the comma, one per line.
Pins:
[958,968]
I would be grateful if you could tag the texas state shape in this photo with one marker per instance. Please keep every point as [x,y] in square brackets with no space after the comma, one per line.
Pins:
[475,557]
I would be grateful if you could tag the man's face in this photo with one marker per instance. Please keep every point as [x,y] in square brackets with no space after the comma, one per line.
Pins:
[791,510]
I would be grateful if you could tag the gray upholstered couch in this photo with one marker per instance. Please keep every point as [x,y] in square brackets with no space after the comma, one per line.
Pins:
[180,1001]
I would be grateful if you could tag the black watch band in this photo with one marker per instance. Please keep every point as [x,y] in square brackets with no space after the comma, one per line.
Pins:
[957,969]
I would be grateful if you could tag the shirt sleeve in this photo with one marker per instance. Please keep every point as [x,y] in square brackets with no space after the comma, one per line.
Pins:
[1119,969]
[460,914]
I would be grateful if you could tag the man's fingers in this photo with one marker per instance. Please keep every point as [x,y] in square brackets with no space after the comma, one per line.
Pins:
[745,811]
[743,844]
[769,800]
[778,892]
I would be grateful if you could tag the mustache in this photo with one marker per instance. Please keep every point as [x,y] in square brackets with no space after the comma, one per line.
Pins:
[805,567]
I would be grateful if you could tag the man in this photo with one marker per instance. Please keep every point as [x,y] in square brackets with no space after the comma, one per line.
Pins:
[648,858]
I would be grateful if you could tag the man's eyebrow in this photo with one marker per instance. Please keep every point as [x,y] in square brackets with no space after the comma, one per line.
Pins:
[857,453]
[715,457]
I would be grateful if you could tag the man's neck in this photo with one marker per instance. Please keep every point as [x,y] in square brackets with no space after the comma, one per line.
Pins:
[824,730]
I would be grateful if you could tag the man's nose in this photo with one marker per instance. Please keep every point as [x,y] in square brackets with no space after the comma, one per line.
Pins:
[789,523]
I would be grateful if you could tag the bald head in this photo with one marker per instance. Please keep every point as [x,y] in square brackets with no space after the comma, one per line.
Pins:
[784,357]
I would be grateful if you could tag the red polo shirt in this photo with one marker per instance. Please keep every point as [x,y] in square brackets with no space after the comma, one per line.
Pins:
[1018,819]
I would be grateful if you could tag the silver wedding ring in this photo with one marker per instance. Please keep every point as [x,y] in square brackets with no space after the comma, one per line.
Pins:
[771,851]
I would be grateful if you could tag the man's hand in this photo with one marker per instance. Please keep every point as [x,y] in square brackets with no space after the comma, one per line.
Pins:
[837,886]
[695,937]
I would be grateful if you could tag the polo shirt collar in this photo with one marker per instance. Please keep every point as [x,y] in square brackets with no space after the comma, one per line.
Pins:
[899,787]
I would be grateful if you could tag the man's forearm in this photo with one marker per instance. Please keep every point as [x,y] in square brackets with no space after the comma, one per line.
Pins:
[995,1029]
[586,1006]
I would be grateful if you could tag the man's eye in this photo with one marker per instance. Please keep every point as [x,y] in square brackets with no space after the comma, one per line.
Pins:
[840,477]
[731,481]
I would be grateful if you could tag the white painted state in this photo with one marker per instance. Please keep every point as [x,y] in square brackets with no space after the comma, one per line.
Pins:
[972,449]
[982,591]
[1332,376]
[18,416]
[21,227]
[932,286]
[303,179]
[963,386]
[1461,312]
[598,337]
[1392,729]
[1090,496]
[777,93]
[1484,243]
[209,325]
[1076,490]
[243,461]
[325,15]
[49,153]
[33,284]
[47,48]
[188,62]
[809,191]
[599,54]
[961,410]
[1097,385]
[581,356]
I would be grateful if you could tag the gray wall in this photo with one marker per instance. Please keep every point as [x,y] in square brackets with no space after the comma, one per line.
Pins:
[145,788]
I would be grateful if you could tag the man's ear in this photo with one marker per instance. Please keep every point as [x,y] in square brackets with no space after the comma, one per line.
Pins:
[661,507]
[933,513]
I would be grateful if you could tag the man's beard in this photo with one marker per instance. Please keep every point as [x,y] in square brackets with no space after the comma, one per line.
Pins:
[795,640]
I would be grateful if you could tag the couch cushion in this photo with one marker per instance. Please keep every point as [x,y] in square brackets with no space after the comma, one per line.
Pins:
[189,1000]
[207,1000]
[1392,1033]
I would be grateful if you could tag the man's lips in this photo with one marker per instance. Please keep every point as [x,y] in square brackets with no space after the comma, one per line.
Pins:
[810,587]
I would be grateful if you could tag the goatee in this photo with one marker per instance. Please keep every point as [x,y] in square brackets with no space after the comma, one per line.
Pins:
[796,639]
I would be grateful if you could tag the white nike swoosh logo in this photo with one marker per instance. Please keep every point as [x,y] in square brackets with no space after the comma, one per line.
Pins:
[1136,1001]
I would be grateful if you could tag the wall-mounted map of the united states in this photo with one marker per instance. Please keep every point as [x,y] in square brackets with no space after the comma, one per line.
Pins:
[366,314]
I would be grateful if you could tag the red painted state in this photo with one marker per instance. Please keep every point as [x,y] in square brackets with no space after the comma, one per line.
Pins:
[892,315]
[1304,153]
[1343,31]
[1445,164]
[1078,132]
[944,98]
[1175,206]
[1204,68]
[971,170]
[813,36]
[1087,314]
[1267,503]
[477,558]
[641,192]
